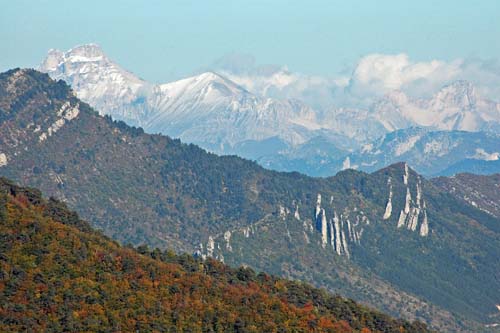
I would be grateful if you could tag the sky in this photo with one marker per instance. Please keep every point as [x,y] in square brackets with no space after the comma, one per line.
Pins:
[166,40]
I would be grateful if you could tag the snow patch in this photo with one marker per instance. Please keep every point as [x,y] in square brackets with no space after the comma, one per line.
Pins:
[366,148]
[481,154]
[76,58]
[404,147]
[437,148]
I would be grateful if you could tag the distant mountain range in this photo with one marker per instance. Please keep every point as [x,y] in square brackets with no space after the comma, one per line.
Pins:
[226,117]
[391,239]
[206,109]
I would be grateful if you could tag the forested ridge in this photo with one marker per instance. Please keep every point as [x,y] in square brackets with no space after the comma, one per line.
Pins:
[57,274]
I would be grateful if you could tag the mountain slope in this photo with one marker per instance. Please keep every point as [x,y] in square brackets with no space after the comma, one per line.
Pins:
[475,166]
[59,275]
[479,191]
[339,232]
[429,152]
[114,89]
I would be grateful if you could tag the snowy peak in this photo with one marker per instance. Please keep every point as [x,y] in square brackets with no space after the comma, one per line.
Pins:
[52,61]
[205,85]
[459,107]
[86,53]
[79,54]
[460,94]
[86,64]
[214,78]
[97,80]
[455,107]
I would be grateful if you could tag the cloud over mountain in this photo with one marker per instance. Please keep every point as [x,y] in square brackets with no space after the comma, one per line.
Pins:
[373,76]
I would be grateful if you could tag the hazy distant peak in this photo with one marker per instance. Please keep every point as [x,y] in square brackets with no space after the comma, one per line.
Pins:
[460,93]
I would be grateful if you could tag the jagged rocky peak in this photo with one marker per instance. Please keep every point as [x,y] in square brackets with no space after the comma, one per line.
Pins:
[82,53]
[91,50]
[84,66]
[52,61]
[460,94]
[392,99]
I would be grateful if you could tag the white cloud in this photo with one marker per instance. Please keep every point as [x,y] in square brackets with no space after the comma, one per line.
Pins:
[378,74]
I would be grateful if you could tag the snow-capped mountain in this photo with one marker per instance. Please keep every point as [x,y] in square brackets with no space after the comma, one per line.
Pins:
[100,82]
[207,109]
[212,110]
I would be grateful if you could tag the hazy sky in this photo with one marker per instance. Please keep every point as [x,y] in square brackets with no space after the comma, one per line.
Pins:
[163,40]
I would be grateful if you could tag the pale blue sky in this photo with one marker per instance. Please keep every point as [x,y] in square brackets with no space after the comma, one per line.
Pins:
[163,40]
